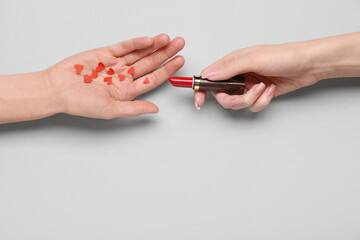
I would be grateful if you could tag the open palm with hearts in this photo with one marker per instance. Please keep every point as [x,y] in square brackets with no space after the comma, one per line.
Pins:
[105,100]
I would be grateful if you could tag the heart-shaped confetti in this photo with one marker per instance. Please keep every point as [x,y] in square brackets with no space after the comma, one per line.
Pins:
[78,68]
[108,80]
[87,78]
[110,71]
[121,77]
[146,81]
[131,71]
[100,67]
[94,74]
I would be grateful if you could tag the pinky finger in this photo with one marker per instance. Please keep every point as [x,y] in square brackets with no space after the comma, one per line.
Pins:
[264,100]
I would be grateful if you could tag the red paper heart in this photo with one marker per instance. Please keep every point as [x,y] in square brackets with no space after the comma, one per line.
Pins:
[100,67]
[94,74]
[87,78]
[121,77]
[131,71]
[111,71]
[108,80]
[78,68]
[146,81]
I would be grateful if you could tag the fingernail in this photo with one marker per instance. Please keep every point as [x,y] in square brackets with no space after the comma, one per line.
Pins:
[271,90]
[259,88]
[209,73]
[196,106]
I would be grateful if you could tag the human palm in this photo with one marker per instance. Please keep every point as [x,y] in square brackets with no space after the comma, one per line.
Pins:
[100,100]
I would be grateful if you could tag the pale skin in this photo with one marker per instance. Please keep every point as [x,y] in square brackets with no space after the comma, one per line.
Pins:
[269,70]
[59,89]
[273,70]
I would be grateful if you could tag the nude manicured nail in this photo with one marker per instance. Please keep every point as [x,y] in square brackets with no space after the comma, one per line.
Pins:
[259,89]
[196,106]
[196,100]
[271,90]
[209,73]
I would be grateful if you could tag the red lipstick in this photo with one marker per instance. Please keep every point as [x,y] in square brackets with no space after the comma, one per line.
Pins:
[232,86]
[182,81]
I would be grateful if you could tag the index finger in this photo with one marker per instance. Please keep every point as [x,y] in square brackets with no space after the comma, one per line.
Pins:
[128,46]
[235,63]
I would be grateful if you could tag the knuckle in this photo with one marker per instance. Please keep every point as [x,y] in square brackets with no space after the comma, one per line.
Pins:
[234,55]
[236,108]
[257,106]
[148,62]
[168,53]
[153,82]
[260,105]
[238,103]
[263,103]
[254,109]
[246,102]
[125,60]
[225,104]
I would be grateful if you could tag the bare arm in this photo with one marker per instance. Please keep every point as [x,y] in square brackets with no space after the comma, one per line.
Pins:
[26,97]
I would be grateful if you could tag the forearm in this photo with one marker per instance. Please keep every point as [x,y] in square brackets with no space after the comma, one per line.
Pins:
[335,57]
[26,97]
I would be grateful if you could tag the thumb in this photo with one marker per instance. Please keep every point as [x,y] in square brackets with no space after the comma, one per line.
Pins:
[235,63]
[133,108]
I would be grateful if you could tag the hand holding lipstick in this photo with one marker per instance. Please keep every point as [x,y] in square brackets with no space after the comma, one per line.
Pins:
[273,70]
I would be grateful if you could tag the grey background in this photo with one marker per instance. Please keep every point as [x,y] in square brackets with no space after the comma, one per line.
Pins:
[290,172]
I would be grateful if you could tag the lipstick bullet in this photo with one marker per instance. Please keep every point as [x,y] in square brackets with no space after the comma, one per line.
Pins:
[232,86]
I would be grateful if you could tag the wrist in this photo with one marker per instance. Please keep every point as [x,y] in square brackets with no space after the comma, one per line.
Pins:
[334,57]
[26,97]
[50,92]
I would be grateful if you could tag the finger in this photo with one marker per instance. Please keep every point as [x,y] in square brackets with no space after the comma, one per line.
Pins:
[159,41]
[224,99]
[128,46]
[248,99]
[160,75]
[264,100]
[231,65]
[199,99]
[237,102]
[131,109]
[154,60]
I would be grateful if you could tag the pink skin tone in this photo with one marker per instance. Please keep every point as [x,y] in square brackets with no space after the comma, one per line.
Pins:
[273,70]
[59,89]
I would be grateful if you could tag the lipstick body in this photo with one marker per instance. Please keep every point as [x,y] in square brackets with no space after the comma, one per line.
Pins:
[232,86]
